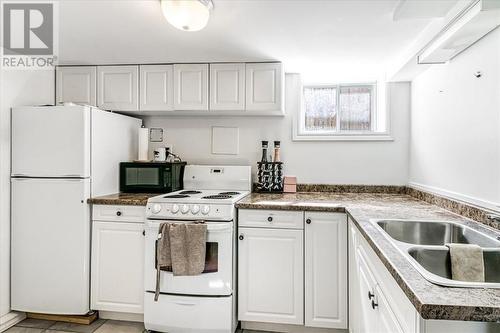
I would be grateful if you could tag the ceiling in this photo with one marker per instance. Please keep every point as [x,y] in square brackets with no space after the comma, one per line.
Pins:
[327,41]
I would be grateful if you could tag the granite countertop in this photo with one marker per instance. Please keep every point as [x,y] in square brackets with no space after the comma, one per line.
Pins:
[430,300]
[128,199]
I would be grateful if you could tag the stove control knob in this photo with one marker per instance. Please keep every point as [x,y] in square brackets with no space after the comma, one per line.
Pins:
[156,208]
[205,210]
[175,208]
[195,209]
[184,209]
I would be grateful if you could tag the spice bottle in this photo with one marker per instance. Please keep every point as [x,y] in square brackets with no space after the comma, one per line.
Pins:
[276,152]
[264,151]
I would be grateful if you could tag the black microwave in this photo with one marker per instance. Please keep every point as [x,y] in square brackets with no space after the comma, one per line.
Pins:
[151,177]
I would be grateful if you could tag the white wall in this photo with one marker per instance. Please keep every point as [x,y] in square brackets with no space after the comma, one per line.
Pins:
[455,125]
[19,87]
[311,162]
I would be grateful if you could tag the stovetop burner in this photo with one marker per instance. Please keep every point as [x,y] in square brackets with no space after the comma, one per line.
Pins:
[176,196]
[229,193]
[217,196]
[190,192]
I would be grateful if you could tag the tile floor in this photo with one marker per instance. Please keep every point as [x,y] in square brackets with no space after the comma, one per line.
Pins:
[98,326]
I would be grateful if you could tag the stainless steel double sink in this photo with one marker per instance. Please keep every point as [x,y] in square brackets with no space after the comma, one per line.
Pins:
[423,245]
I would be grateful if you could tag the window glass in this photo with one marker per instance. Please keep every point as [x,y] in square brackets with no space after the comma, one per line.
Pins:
[355,108]
[320,112]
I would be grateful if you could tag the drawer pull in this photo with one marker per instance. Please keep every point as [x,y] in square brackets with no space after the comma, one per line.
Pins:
[308,221]
[118,213]
[374,305]
[370,295]
[270,219]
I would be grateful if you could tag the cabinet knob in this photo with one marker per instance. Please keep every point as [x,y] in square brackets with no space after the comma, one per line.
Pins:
[144,232]
[370,295]
[118,213]
[308,221]
[374,305]
[241,237]
[270,219]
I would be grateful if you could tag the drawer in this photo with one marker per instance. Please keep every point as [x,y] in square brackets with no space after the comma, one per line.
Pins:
[270,219]
[119,213]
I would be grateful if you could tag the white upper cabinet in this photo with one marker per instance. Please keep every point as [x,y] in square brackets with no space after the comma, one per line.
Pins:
[76,84]
[118,88]
[227,87]
[326,270]
[157,87]
[191,87]
[223,88]
[264,87]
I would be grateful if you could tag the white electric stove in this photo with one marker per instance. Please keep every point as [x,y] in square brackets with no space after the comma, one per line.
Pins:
[205,302]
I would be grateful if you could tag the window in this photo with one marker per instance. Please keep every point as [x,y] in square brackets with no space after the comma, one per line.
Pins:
[343,111]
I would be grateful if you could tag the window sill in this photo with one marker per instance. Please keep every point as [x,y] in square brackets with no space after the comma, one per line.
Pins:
[344,137]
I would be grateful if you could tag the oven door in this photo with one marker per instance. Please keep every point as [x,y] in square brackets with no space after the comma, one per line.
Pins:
[216,280]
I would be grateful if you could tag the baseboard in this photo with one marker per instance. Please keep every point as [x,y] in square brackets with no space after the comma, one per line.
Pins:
[473,201]
[137,317]
[284,328]
[10,319]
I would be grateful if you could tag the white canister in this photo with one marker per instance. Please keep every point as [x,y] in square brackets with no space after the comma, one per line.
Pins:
[143,145]
[160,154]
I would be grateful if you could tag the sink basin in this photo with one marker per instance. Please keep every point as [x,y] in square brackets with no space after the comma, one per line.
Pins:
[423,245]
[435,233]
[437,261]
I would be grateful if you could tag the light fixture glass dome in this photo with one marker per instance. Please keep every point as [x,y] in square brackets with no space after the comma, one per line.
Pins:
[187,15]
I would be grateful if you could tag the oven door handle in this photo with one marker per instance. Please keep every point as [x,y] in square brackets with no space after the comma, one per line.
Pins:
[216,227]
[219,227]
[185,303]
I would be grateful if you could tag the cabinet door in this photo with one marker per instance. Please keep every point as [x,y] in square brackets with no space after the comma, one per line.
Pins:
[117,88]
[76,84]
[191,87]
[354,294]
[387,322]
[326,270]
[227,87]
[270,275]
[157,87]
[117,270]
[264,87]
[367,315]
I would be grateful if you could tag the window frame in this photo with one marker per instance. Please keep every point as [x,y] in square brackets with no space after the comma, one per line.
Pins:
[300,134]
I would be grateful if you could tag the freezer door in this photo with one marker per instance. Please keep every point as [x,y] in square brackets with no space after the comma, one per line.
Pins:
[50,245]
[52,141]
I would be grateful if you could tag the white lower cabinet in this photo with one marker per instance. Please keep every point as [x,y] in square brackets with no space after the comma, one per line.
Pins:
[270,272]
[292,268]
[377,305]
[326,270]
[117,266]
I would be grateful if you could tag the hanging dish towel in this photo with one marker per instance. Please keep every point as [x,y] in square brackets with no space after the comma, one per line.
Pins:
[188,248]
[467,263]
[181,248]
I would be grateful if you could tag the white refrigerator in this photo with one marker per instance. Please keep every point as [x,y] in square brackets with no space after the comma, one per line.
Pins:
[61,156]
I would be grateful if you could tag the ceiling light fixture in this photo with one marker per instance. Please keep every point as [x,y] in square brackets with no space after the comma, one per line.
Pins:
[187,15]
